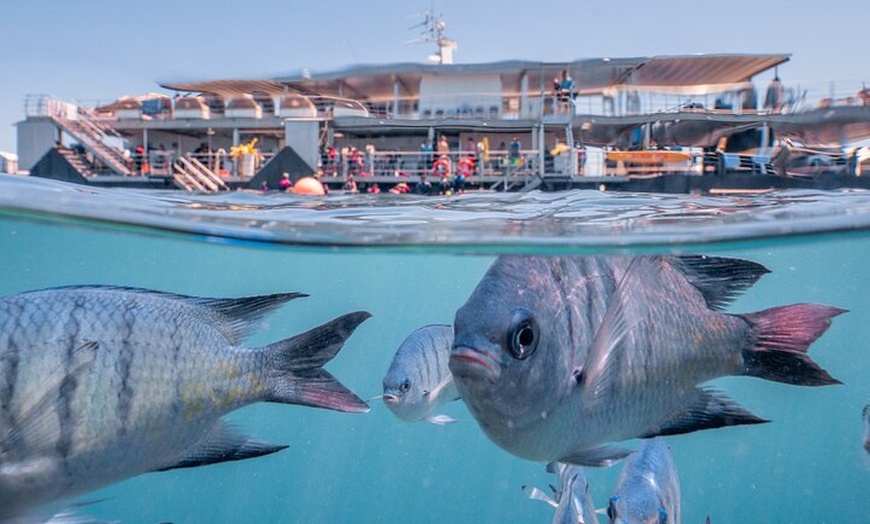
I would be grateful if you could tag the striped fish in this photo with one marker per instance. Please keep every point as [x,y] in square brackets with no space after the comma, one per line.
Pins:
[419,382]
[99,384]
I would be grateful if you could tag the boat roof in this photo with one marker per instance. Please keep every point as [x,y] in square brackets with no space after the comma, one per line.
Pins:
[591,75]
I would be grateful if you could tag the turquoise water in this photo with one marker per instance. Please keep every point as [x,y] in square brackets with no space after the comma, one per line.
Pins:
[409,266]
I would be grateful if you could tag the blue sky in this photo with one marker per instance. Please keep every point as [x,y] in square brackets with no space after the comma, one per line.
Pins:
[98,50]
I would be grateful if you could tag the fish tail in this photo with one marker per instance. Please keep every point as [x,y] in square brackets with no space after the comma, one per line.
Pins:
[782,337]
[296,366]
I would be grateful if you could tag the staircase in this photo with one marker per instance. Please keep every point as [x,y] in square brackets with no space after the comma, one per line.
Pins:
[192,175]
[91,136]
[77,161]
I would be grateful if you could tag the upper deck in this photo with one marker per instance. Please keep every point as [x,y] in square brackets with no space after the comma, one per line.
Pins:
[672,101]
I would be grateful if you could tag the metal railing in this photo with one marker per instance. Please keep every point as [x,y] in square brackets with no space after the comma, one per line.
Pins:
[622,100]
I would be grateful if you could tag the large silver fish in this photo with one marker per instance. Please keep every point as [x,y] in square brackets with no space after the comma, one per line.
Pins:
[557,356]
[571,498]
[98,384]
[418,381]
[648,488]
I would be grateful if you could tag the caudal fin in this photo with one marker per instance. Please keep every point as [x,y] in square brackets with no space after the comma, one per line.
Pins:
[297,364]
[782,338]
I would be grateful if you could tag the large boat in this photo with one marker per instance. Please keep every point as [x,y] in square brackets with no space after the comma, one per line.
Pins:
[660,123]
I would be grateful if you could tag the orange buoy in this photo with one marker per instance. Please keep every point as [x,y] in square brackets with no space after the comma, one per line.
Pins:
[308,185]
[441,166]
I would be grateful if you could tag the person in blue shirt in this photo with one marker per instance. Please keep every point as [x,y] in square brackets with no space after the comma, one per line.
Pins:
[514,151]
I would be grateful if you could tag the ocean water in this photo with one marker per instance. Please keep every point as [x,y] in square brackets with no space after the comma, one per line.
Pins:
[414,261]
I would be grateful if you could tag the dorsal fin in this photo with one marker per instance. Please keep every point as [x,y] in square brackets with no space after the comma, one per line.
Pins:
[240,315]
[720,280]
[245,313]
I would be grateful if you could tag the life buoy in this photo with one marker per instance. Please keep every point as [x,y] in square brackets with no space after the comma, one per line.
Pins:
[466,167]
[441,166]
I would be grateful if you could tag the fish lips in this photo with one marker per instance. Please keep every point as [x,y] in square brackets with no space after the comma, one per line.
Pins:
[391,399]
[474,362]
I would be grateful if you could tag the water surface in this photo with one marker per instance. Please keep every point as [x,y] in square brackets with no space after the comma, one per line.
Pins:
[413,261]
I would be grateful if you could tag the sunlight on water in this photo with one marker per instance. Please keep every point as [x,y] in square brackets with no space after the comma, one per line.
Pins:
[422,260]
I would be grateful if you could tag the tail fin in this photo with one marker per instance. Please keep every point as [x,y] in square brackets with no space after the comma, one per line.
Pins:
[782,338]
[296,366]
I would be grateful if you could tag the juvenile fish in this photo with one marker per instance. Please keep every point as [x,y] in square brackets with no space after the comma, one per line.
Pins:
[648,488]
[418,381]
[571,498]
[99,384]
[556,357]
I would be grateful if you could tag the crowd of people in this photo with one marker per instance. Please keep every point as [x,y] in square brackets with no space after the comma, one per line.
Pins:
[439,168]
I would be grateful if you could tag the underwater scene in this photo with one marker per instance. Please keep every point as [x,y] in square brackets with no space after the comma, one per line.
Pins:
[725,337]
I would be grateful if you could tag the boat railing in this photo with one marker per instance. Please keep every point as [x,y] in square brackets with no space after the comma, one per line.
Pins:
[616,101]
[372,163]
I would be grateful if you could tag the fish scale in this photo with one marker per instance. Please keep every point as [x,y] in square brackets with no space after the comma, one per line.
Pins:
[98,384]
[558,357]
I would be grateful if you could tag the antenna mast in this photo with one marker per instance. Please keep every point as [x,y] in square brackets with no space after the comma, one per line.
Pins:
[433,31]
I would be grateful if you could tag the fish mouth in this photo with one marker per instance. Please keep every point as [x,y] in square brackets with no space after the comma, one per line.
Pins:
[470,362]
[391,399]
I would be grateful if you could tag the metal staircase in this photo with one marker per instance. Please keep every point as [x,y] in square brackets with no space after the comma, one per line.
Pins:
[92,137]
[192,175]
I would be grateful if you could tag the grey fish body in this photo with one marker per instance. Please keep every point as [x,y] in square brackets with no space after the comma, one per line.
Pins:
[99,384]
[557,356]
[571,498]
[866,416]
[418,381]
[648,488]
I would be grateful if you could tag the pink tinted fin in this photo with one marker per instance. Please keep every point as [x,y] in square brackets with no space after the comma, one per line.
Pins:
[296,367]
[782,337]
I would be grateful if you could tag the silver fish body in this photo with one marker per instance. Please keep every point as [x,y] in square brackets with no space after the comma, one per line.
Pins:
[648,488]
[571,497]
[99,384]
[418,381]
[557,356]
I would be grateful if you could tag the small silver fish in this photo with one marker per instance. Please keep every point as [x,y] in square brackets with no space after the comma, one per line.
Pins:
[99,384]
[571,498]
[418,381]
[866,416]
[556,357]
[648,488]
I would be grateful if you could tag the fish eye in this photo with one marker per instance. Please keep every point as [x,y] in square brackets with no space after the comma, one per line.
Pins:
[523,336]
[405,386]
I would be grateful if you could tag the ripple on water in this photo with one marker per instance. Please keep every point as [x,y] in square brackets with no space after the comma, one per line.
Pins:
[477,221]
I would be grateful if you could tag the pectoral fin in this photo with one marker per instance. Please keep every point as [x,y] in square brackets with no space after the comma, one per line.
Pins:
[707,409]
[435,392]
[440,420]
[622,315]
[536,494]
[223,444]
